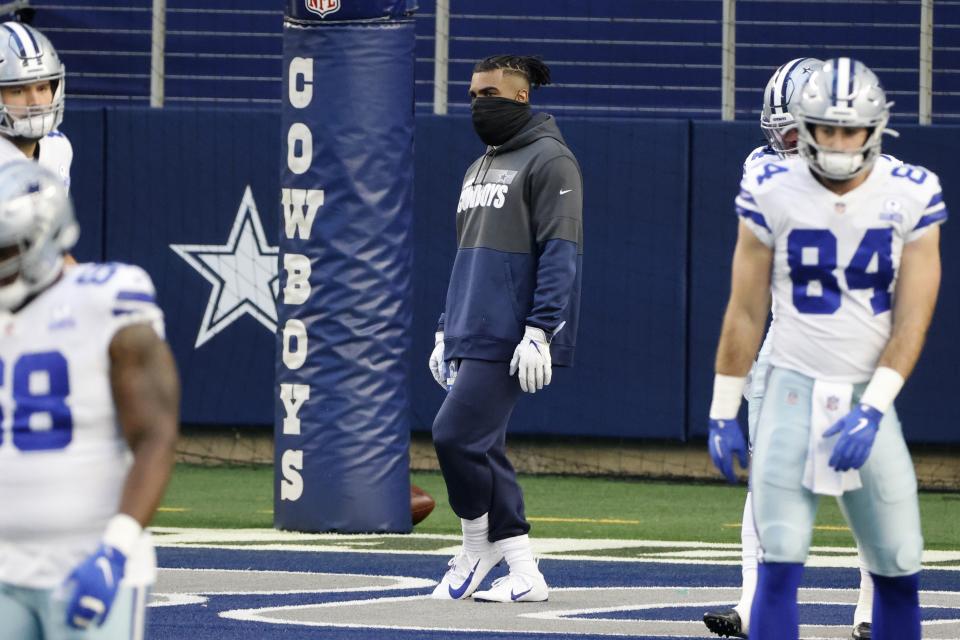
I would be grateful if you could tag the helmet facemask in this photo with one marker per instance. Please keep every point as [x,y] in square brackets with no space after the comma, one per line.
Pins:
[36,121]
[835,164]
[776,136]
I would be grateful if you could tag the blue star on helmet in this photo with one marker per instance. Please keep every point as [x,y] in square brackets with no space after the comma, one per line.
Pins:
[243,272]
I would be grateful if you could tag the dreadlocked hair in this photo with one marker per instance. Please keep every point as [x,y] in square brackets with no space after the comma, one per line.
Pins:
[533,68]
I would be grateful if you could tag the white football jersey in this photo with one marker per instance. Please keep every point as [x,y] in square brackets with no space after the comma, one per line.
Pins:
[55,153]
[758,373]
[62,454]
[836,259]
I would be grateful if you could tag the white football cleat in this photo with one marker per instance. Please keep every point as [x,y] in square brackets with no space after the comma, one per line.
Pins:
[516,587]
[465,574]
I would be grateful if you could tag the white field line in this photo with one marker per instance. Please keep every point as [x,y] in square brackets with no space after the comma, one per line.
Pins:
[675,552]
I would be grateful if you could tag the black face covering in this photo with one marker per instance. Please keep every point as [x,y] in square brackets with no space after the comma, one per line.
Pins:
[496,120]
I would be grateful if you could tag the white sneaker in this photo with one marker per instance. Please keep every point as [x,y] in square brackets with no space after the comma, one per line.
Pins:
[516,587]
[465,574]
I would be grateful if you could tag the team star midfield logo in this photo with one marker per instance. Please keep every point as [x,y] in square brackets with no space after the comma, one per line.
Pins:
[243,273]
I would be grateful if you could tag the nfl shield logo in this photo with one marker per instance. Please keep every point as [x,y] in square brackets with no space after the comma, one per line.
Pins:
[840,207]
[322,7]
[832,403]
[792,397]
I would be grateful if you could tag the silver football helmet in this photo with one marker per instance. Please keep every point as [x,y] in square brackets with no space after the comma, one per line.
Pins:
[37,227]
[782,90]
[843,93]
[26,57]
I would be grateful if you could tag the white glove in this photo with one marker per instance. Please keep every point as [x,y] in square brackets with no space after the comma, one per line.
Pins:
[444,373]
[531,361]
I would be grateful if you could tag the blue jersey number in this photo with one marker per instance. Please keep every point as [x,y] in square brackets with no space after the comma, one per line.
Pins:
[98,273]
[802,242]
[822,244]
[770,170]
[915,175]
[876,242]
[41,418]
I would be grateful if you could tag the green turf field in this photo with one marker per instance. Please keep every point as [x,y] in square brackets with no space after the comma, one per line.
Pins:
[558,507]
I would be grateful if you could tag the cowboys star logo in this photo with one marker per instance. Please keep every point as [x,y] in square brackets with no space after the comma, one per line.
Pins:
[243,273]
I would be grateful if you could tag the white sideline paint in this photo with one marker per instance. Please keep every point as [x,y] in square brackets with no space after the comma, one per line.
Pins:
[681,552]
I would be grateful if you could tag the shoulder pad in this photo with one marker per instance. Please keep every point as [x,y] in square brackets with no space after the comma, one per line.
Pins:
[124,294]
[762,175]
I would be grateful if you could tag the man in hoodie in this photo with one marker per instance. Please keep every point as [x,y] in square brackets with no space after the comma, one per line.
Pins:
[511,315]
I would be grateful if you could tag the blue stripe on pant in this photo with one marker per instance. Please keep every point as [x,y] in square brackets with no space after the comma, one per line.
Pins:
[469,434]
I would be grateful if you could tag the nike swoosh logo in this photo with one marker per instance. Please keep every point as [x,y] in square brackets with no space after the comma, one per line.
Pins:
[860,426]
[104,565]
[456,594]
[562,192]
[514,596]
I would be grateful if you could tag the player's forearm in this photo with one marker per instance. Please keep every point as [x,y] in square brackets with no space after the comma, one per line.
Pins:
[148,476]
[904,347]
[146,391]
[556,279]
[915,299]
[739,342]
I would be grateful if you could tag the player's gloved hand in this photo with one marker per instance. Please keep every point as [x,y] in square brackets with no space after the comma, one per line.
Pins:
[531,361]
[443,372]
[857,430]
[726,440]
[436,360]
[93,587]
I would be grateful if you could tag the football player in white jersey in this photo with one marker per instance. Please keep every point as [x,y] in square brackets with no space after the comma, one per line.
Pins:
[780,129]
[849,249]
[89,401]
[31,100]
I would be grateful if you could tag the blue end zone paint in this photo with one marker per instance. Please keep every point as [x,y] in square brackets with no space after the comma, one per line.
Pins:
[202,620]
[809,613]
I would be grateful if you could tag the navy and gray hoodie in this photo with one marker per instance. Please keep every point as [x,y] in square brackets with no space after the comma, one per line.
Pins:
[520,238]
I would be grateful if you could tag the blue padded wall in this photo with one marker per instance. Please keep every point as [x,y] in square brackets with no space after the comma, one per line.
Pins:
[85,127]
[718,150]
[925,404]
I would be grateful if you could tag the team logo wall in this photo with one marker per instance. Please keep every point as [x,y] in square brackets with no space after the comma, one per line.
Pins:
[243,273]
[322,7]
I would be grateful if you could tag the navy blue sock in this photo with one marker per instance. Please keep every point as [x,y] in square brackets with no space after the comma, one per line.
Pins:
[896,607]
[775,615]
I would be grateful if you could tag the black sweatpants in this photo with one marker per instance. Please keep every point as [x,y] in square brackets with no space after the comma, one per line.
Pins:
[469,434]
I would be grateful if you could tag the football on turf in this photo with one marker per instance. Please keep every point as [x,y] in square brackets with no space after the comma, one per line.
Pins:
[421,504]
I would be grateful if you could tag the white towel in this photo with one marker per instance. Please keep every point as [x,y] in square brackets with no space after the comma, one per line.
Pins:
[830,401]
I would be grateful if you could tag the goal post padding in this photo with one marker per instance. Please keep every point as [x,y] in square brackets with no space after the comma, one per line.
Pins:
[342,405]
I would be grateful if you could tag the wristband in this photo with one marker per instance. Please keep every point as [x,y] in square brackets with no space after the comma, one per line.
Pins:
[727,394]
[122,533]
[882,389]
